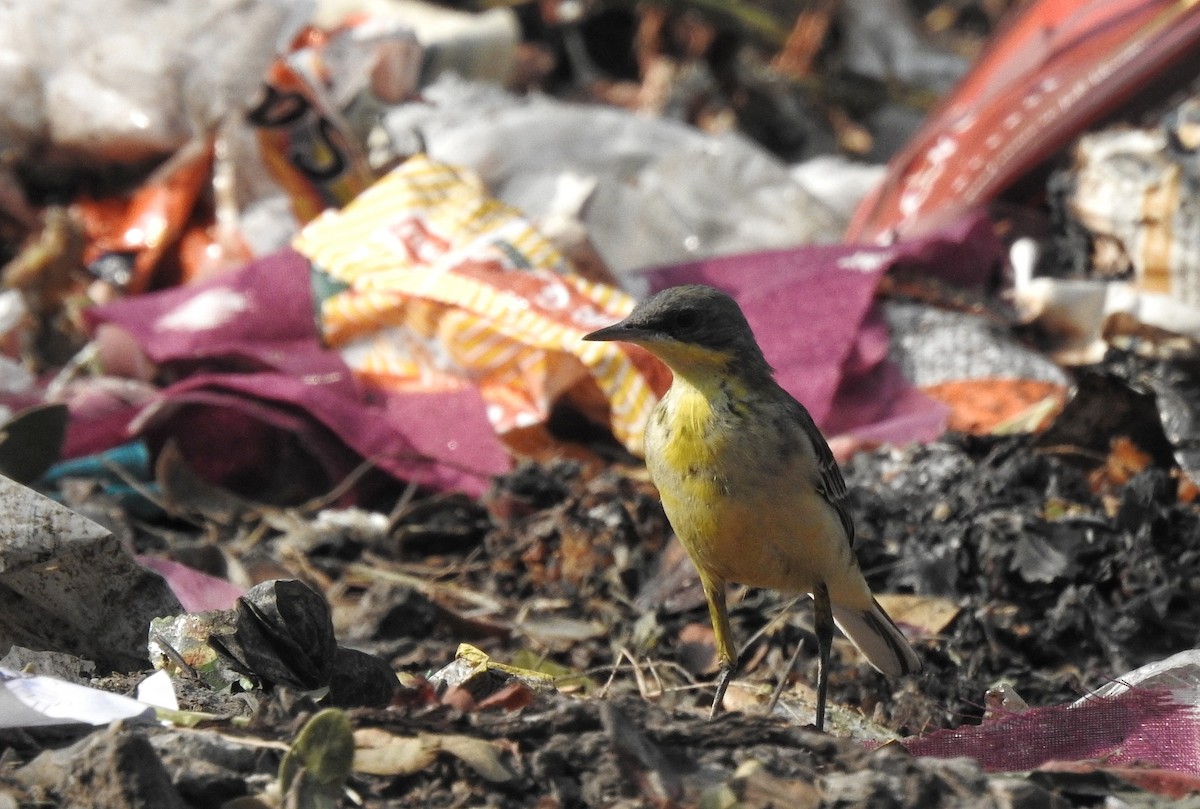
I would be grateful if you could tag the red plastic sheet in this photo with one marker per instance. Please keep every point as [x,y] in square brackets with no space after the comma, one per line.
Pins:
[1055,69]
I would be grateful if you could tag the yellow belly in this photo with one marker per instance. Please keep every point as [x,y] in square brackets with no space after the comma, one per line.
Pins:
[738,488]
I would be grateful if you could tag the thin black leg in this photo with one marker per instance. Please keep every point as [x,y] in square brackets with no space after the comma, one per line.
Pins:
[824,627]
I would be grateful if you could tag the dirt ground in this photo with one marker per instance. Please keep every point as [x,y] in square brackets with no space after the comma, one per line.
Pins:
[1039,570]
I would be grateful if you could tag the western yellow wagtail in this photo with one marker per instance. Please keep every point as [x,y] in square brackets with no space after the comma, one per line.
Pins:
[748,482]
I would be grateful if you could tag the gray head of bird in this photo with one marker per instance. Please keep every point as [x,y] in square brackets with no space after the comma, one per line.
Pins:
[691,328]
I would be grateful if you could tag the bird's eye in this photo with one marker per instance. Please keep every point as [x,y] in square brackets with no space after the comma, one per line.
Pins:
[685,319]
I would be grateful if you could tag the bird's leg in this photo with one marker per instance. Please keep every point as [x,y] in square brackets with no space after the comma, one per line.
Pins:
[722,683]
[823,624]
[714,592]
[779,686]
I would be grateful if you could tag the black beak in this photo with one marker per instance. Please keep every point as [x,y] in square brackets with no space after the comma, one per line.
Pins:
[616,331]
[624,331]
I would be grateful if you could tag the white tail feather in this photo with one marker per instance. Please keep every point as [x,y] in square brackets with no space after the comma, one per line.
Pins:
[878,638]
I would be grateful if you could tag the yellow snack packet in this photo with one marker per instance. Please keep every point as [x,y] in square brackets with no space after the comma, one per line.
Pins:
[425,283]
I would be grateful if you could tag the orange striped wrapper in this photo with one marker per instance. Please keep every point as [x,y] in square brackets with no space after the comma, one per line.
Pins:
[425,283]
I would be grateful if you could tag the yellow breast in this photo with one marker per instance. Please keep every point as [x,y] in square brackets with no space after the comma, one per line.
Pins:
[736,482]
[691,446]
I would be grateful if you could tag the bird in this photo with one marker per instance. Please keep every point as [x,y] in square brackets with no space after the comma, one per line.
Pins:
[748,483]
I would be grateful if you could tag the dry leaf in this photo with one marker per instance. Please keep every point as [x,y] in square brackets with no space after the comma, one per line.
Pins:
[381,753]
[930,614]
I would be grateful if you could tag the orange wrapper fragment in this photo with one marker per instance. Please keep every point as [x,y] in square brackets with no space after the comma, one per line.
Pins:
[425,283]
[317,105]
[981,406]
[167,225]
[306,146]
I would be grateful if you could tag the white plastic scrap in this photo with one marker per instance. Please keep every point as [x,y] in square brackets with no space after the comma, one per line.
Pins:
[35,700]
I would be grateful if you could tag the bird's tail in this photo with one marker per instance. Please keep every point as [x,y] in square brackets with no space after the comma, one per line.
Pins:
[878,638]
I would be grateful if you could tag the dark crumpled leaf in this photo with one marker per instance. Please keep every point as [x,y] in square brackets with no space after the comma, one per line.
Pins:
[1176,386]
[360,679]
[31,441]
[284,635]
[1105,407]
[1037,561]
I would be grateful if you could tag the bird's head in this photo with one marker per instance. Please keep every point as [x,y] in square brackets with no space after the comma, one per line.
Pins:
[689,328]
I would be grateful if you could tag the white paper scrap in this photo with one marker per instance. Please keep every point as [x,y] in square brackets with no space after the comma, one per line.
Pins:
[34,700]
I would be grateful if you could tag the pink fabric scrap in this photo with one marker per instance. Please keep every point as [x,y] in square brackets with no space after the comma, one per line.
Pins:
[1148,726]
[246,349]
[196,591]
[812,310]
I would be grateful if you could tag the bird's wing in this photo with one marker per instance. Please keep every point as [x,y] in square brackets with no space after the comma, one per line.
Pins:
[830,483]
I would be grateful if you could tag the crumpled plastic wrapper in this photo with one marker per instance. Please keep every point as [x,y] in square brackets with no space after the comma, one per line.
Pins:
[320,103]
[424,282]
[649,192]
[1135,194]
[129,80]
[1131,205]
